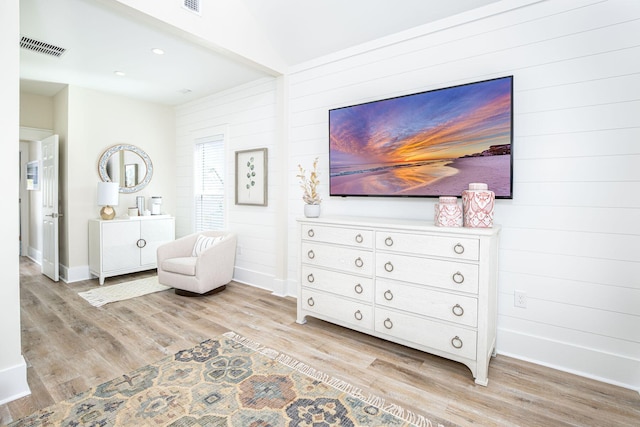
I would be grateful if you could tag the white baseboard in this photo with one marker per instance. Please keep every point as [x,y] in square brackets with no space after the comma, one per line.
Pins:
[591,363]
[75,274]
[13,383]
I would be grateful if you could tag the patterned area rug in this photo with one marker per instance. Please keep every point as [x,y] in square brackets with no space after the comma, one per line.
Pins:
[230,381]
[105,294]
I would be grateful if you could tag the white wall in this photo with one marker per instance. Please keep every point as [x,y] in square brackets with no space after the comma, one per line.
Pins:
[248,116]
[571,235]
[13,369]
[97,121]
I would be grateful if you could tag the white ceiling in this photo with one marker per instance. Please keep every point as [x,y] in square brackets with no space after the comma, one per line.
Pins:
[101,39]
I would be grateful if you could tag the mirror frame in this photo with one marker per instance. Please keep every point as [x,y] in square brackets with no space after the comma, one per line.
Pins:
[104,158]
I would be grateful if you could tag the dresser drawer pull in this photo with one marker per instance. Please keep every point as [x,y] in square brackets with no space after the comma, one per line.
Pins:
[456,342]
[458,310]
[388,295]
[359,238]
[141,243]
[458,277]
[311,233]
[358,288]
[357,315]
[388,241]
[311,302]
[310,254]
[359,263]
[388,267]
[458,248]
[310,278]
[388,323]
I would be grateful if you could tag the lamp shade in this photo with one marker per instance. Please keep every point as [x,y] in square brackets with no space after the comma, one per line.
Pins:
[108,193]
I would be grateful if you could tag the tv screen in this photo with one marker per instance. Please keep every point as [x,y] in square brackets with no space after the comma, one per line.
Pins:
[427,144]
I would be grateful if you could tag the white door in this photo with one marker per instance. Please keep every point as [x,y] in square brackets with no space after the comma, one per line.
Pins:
[50,214]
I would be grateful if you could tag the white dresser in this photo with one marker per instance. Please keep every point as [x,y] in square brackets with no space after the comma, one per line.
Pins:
[127,245]
[426,287]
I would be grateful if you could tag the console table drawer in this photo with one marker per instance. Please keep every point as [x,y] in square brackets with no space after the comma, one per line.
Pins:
[344,284]
[338,258]
[338,235]
[426,332]
[442,274]
[427,302]
[346,311]
[429,245]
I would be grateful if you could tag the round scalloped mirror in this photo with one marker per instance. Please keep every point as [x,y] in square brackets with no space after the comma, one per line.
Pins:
[127,165]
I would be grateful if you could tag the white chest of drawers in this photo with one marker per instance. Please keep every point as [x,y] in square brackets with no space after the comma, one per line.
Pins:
[127,245]
[426,287]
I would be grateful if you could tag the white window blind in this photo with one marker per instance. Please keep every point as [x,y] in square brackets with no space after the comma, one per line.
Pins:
[209,183]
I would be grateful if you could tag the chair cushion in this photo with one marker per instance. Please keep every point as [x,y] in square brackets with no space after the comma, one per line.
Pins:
[182,265]
[203,243]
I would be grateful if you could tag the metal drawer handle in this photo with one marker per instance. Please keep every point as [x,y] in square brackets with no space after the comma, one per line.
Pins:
[458,277]
[388,241]
[359,238]
[310,278]
[311,302]
[310,254]
[456,342]
[359,263]
[388,295]
[311,233]
[358,288]
[388,323]
[388,267]
[141,243]
[458,248]
[458,310]
[357,315]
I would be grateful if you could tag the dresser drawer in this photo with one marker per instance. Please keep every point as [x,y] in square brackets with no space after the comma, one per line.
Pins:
[338,235]
[442,274]
[429,245]
[429,333]
[338,258]
[427,302]
[344,284]
[341,309]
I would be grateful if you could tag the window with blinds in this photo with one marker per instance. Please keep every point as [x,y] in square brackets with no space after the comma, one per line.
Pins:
[209,183]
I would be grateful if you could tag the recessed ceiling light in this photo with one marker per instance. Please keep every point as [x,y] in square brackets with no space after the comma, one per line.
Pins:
[120,73]
[157,51]
[184,91]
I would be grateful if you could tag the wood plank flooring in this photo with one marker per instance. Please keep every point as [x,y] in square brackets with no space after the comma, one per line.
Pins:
[71,346]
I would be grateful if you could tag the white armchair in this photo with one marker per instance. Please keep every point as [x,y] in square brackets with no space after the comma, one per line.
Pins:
[195,273]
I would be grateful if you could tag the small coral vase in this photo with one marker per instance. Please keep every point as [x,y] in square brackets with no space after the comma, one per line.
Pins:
[478,203]
[312,211]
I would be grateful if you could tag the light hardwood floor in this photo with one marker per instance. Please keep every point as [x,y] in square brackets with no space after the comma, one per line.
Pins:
[71,346]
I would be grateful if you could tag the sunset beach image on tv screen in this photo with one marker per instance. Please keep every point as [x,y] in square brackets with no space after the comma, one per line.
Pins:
[427,144]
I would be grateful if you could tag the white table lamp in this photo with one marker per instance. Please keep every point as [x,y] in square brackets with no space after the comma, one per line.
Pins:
[108,193]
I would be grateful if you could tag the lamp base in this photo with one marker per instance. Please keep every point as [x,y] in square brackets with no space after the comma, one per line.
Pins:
[107,212]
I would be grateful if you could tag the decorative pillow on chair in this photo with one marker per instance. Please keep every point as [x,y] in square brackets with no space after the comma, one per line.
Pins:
[204,243]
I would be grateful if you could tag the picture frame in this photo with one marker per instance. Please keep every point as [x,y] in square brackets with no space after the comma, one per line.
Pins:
[33,175]
[251,177]
[131,175]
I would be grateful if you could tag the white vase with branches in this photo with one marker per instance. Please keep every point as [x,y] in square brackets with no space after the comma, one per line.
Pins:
[310,193]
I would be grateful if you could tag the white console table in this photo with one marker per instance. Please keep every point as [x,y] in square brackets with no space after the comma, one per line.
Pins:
[126,245]
[426,287]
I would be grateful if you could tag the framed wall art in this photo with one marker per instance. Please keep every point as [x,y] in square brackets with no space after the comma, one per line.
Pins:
[251,177]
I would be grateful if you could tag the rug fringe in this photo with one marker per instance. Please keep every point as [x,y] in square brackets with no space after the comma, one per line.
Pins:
[370,399]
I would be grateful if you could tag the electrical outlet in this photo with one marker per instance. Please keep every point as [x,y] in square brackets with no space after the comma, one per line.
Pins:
[520,299]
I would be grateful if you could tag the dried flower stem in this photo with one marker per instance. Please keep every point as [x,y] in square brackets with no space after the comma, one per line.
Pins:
[310,186]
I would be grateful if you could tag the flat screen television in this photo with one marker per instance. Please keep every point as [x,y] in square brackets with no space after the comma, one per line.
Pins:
[427,144]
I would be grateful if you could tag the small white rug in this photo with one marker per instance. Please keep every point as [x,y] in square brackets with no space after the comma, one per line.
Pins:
[105,294]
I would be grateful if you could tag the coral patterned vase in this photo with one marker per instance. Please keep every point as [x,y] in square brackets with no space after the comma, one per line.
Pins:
[448,213]
[478,203]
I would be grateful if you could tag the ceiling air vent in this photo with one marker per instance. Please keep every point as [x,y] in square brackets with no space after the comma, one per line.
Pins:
[41,47]
[192,5]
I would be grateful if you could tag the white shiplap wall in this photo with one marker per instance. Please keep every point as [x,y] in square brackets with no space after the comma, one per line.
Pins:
[571,234]
[247,117]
